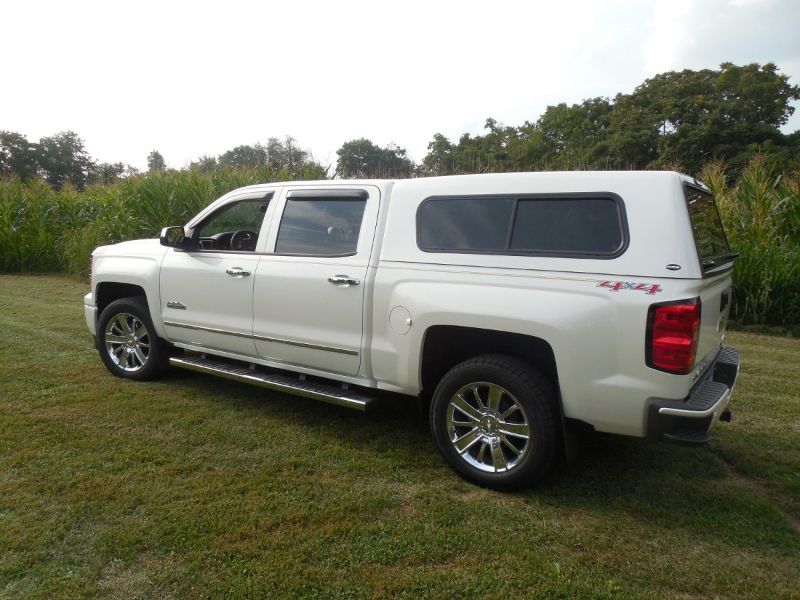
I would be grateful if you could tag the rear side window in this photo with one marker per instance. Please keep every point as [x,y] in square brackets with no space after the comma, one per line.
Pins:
[709,236]
[470,224]
[554,225]
[320,226]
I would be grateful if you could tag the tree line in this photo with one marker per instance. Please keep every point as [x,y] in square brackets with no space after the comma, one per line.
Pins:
[677,120]
[62,158]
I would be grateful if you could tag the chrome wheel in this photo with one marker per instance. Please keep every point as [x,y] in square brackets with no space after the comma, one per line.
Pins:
[488,427]
[127,342]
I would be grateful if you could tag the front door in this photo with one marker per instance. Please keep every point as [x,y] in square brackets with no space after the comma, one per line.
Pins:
[207,292]
[309,293]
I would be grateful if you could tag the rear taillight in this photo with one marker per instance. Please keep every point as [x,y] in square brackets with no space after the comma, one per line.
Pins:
[673,329]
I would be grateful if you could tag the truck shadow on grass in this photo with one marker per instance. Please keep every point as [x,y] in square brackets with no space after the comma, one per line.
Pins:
[660,486]
[672,488]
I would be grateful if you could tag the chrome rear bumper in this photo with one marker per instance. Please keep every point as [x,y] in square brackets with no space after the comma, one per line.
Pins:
[689,421]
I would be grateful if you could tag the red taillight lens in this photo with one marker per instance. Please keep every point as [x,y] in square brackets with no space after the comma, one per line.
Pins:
[672,333]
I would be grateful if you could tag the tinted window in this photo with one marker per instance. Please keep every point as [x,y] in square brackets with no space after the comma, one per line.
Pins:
[233,227]
[321,227]
[465,223]
[709,237]
[565,225]
[585,225]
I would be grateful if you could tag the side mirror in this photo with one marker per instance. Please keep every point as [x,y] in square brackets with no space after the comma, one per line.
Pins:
[174,237]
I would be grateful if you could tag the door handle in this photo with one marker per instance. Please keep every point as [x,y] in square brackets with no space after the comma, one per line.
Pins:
[237,272]
[343,280]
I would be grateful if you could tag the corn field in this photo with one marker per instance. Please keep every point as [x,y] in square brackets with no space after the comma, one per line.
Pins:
[44,230]
[761,214]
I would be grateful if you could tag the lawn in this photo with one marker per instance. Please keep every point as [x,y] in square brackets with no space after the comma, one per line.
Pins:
[194,486]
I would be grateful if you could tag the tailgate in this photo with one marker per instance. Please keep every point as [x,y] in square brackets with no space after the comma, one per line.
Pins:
[715,306]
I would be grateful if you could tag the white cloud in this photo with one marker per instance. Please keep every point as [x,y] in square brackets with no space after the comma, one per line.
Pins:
[705,33]
[669,35]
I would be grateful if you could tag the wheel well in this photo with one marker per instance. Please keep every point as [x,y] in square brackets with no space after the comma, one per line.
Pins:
[109,291]
[446,346]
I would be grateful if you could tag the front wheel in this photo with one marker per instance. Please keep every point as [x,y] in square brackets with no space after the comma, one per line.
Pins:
[127,341]
[494,419]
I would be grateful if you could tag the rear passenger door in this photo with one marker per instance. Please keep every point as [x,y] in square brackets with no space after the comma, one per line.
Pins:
[310,285]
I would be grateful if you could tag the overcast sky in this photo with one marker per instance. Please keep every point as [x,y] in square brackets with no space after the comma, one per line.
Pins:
[196,78]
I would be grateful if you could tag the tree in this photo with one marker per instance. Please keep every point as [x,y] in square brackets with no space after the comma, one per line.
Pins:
[205,164]
[62,158]
[155,162]
[358,159]
[361,159]
[107,172]
[277,154]
[691,117]
[575,135]
[242,157]
[529,149]
[488,153]
[285,154]
[676,119]
[396,162]
[633,136]
[17,156]
[440,159]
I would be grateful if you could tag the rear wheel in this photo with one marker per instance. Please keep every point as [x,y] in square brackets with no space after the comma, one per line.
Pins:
[127,342]
[494,420]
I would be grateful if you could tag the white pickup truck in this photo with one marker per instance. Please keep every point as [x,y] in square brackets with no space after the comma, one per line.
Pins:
[520,306]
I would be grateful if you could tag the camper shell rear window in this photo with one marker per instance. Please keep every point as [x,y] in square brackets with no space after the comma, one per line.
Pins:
[709,236]
[591,225]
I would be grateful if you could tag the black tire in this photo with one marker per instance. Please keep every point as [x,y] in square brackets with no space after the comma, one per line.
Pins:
[127,341]
[524,401]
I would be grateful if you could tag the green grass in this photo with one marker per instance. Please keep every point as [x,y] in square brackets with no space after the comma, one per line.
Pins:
[192,486]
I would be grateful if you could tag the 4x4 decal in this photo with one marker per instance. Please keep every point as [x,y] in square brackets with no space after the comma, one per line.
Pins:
[615,286]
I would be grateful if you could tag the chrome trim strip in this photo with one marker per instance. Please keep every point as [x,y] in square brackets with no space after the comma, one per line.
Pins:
[208,329]
[205,349]
[679,412]
[262,338]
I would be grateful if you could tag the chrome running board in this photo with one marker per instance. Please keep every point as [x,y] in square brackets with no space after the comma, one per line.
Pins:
[331,393]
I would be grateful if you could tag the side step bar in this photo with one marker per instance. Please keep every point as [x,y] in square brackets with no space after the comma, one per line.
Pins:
[273,381]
